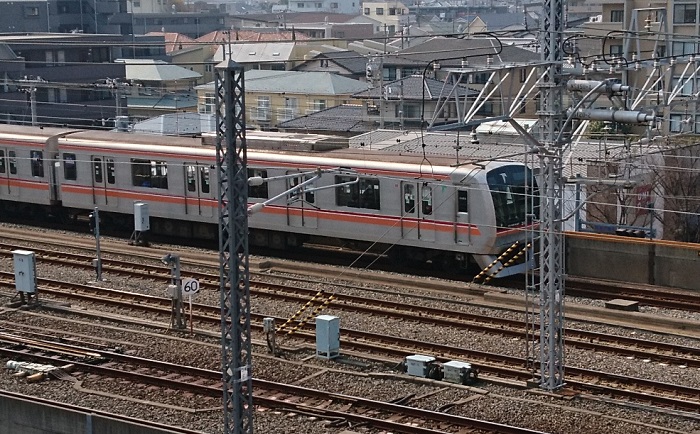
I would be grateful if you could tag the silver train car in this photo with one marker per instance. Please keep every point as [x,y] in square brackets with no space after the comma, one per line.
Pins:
[425,210]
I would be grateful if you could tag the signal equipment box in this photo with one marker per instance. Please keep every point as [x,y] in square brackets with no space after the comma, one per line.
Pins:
[418,365]
[327,336]
[456,372]
[142,220]
[25,271]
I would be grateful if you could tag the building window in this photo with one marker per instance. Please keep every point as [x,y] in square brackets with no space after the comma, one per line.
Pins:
[617,16]
[30,11]
[37,161]
[392,11]
[675,123]
[615,50]
[334,5]
[319,5]
[366,11]
[380,11]
[318,105]
[207,104]
[682,48]
[684,13]
[300,5]
[149,173]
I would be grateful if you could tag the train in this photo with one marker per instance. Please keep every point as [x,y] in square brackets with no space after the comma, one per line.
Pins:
[415,208]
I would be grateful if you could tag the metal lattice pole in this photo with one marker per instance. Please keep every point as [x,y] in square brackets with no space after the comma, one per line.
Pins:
[233,249]
[551,118]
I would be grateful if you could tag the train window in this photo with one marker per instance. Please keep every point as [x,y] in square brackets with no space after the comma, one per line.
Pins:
[427,200]
[513,190]
[204,183]
[37,162]
[409,198]
[149,173]
[2,161]
[462,203]
[111,171]
[363,194]
[13,162]
[309,196]
[191,178]
[258,191]
[70,168]
[97,170]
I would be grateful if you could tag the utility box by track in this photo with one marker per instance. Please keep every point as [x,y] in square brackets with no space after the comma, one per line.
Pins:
[418,365]
[25,271]
[457,372]
[327,336]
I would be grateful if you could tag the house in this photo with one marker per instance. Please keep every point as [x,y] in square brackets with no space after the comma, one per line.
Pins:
[346,63]
[157,87]
[273,97]
[407,101]
[391,16]
[52,69]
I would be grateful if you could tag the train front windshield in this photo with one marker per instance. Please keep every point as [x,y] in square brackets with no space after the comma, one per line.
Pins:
[513,189]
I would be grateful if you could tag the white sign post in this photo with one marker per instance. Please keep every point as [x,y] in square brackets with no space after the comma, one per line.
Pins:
[190,287]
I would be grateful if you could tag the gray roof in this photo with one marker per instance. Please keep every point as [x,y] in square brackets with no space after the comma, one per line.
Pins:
[411,88]
[177,124]
[298,82]
[350,60]
[345,118]
[157,71]
[450,52]
[508,147]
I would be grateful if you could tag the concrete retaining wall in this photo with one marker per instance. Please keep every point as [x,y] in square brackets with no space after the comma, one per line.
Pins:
[23,416]
[641,261]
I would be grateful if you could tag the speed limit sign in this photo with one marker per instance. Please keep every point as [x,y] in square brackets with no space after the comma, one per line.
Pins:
[190,287]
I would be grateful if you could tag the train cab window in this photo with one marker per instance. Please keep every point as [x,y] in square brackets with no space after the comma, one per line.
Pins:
[427,200]
[37,162]
[149,173]
[409,198]
[462,203]
[13,162]
[191,178]
[258,191]
[97,170]
[111,171]
[204,182]
[362,194]
[3,164]
[70,169]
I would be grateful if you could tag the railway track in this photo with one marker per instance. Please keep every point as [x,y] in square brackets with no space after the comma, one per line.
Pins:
[492,365]
[336,407]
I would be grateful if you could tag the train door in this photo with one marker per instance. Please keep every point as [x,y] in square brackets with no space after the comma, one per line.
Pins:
[4,174]
[463,220]
[301,208]
[103,178]
[11,174]
[198,197]
[417,211]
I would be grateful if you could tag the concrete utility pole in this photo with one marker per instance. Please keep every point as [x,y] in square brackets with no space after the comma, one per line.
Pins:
[552,140]
[231,163]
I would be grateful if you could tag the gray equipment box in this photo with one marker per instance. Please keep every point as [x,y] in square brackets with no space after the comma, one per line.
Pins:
[327,336]
[418,365]
[456,372]
[142,220]
[25,271]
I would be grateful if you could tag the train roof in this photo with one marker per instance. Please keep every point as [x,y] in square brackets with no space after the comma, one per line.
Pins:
[31,133]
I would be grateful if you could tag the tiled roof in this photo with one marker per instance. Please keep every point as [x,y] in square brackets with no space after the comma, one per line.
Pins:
[174,41]
[295,82]
[157,71]
[350,60]
[342,118]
